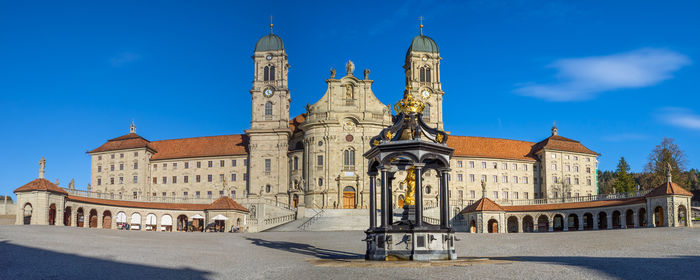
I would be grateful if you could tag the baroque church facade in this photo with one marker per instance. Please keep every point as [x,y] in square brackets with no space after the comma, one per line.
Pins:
[314,160]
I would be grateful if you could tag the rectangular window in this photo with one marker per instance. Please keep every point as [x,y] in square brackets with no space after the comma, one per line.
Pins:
[576,194]
[136,165]
[268,165]
[173,194]
[221,163]
[121,166]
[588,170]
[483,178]
[136,179]
[199,164]
[210,164]
[554,155]
[99,168]
[515,179]
[174,179]
[472,194]
[233,162]
[185,194]
[221,193]
[221,177]
[504,166]
[245,162]
[187,165]
[99,157]
[208,194]
[111,181]
[121,180]
[525,195]
[505,195]
[165,166]
[186,179]
[588,159]
[556,194]
[495,195]
[111,167]
[471,178]
[515,166]
[174,165]
[459,163]
[588,182]
[554,167]
[99,182]
[554,179]
[459,177]
[196,194]
[575,157]
[112,156]
[136,195]
[483,164]
[155,167]
[515,195]
[495,165]
[471,164]
[155,180]
[165,194]
[524,180]
[165,180]
[233,194]
[233,177]
[505,179]
[198,178]
[575,168]
[136,154]
[495,178]
[121,155]
[319,160]
[210,178]
[575,181]
[461,193]
[566,157]
[525,167]
[567,168]
[245,176]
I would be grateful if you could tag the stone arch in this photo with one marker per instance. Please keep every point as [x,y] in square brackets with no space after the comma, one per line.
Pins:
[528,223]
[182,223]
[682,216]
[52,214]
[107,219]
[616,219]
[572,221]
[642,216]
[27,213]
[629,218]
[587,221]
[166,222]
[80,217]
[135,221]
[512,224]
[472,226]
[658,216]
[602,220]
[121,219]
[542,223]
[558,222]
[67,216]
[93,218]
[493,226]
[151,222]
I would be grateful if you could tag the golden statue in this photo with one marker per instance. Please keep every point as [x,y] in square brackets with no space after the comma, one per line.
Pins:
[410,182]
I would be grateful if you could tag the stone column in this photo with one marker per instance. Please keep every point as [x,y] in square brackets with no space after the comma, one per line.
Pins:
[636,219]
[623,220]
[551,224]
[59,217]
[580,222]
[565,222]
[609,217]
[372,201]
[419,194]
[595,221]
[444,199]
[99,219]
[383,194]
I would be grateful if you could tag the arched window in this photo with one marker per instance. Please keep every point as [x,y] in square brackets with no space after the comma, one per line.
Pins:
[268,108]
[422,74]
[296,163]
[426,112]
[427,74]
[272,73]
[349,158]
[269,74]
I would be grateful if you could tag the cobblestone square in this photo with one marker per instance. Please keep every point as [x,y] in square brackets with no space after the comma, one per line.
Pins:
[47,252]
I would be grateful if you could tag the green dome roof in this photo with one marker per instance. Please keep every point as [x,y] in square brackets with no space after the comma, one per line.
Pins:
[270,42]
[423,44]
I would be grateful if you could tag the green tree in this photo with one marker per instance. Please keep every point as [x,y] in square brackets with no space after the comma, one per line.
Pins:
[624,182]
[663,154]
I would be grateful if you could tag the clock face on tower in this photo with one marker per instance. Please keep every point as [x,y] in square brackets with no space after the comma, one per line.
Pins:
[268,57]
[425,94]
[268,92]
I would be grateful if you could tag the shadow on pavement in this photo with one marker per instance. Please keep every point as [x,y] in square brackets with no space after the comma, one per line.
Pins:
[20,262]
[678,267]
[306,249]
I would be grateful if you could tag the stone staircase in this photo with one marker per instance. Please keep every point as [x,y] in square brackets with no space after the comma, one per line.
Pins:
[339,220]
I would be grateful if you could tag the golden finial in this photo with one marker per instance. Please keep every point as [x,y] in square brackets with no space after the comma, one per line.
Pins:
[421,25]
[409,105]
[271,24]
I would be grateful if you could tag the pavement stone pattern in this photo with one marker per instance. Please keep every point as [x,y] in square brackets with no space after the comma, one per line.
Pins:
[49,252]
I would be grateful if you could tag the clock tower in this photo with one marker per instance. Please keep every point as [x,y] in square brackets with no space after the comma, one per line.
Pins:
[422,68]
[269,131]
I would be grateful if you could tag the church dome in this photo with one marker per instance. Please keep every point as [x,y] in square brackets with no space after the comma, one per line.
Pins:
[423,43]
[270,42]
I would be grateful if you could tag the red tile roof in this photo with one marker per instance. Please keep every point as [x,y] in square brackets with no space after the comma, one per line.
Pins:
[226,203]
[483,204]
[556,142]
[129,141]
[490,147]
[669,188]
[41,184]
[224,145]
[296,121]
[574,205]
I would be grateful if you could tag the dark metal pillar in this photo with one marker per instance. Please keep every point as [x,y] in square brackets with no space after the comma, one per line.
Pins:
[383,193]
[372,201]
[390,198]
[444,199]
[419,195]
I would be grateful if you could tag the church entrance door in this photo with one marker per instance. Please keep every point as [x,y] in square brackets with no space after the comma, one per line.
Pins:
[349,197]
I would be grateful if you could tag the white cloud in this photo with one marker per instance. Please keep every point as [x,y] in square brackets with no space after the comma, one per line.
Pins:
[680,117]
[123,58]
[584,78]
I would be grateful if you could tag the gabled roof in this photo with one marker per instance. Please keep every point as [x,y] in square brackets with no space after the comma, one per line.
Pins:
[669,188]
[41,184]
[483,204]
[128,141]
[556,142]
[226,203]
[484,147]
[223,145]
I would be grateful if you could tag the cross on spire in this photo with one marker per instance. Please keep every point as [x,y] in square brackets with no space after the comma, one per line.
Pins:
[421,25]
[271,24]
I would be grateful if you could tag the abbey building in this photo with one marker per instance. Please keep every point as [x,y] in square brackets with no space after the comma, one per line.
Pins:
[315,159]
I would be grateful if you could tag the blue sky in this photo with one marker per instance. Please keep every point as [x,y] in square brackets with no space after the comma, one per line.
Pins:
[617,75]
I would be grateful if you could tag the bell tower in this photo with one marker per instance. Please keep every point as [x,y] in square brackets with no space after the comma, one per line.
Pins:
[269,131]
[422,68]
